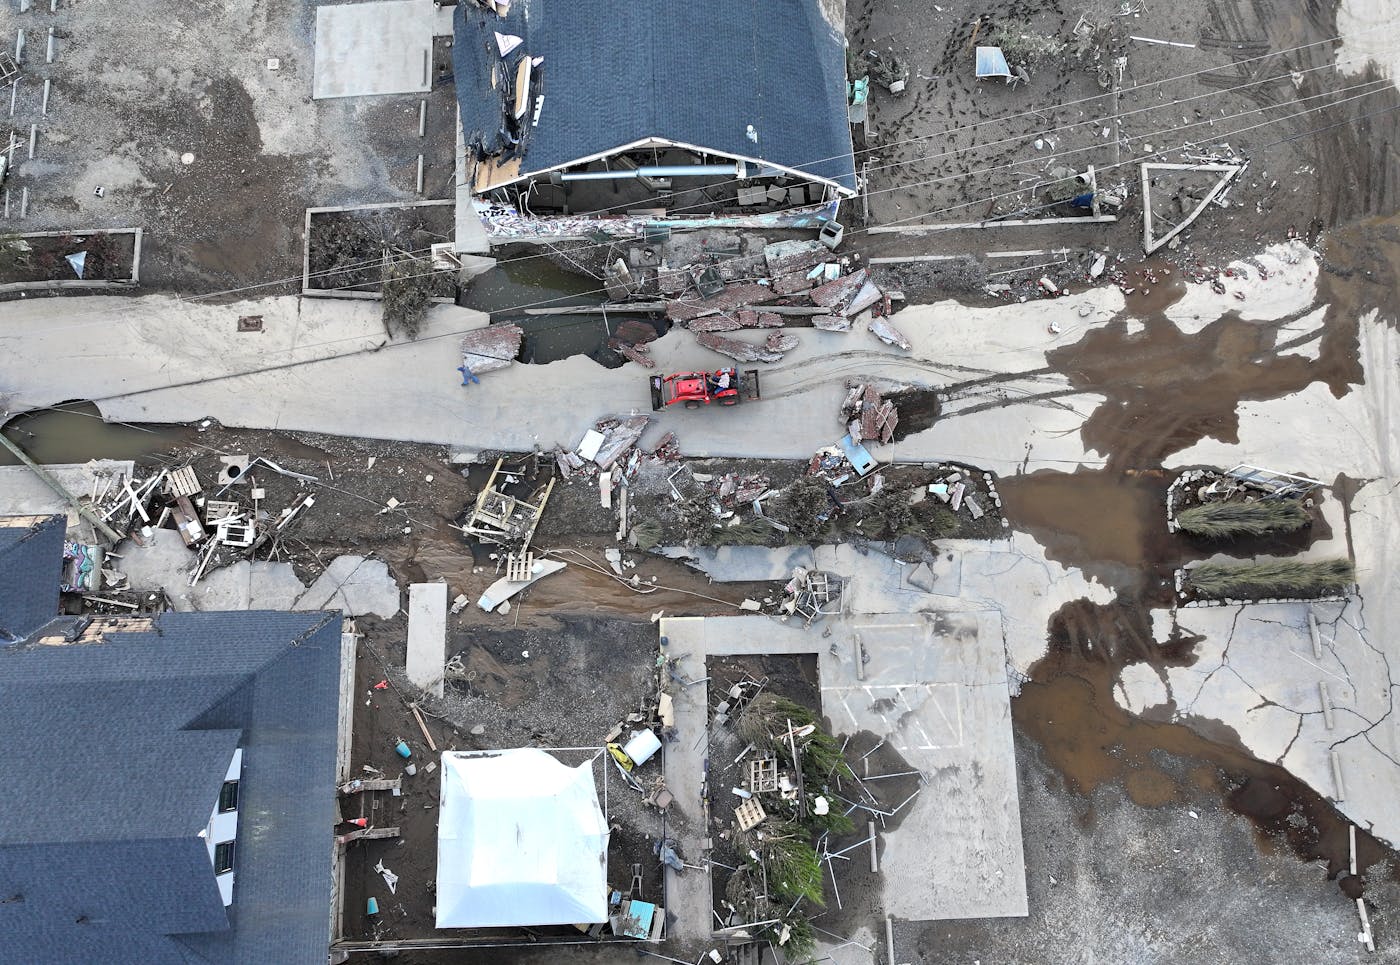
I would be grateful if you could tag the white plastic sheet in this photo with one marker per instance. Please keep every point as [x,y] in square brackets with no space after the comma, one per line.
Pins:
[521,841]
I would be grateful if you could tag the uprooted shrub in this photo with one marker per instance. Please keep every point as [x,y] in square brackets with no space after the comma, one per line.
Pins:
[406,292]
[764,723]
[1272,578]
[888,515]
[807,508]
[1229,520]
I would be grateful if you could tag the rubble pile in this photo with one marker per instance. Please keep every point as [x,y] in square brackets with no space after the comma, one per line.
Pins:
[490,348]
[867,415]
[791,283]
[223,523]
[956,487]
[631,339]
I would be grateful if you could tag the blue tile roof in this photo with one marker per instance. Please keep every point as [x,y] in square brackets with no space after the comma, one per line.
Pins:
[31,566]
[693,73]
[115,752]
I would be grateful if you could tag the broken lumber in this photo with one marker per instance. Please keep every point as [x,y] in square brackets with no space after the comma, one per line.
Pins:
[423,726]
[366,834]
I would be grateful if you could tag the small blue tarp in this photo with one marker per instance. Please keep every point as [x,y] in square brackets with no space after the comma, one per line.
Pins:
[991,62]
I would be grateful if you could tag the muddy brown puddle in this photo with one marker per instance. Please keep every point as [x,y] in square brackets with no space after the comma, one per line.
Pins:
[1069,710]
[1164,391]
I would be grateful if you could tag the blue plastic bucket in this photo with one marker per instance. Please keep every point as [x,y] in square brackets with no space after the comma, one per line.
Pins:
[372,906]
[403,750]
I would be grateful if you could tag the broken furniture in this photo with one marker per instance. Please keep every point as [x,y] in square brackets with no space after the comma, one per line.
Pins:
[503,519]
[810,594]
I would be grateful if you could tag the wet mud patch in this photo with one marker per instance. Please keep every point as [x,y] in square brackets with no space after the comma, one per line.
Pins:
[74,432]
[1068,709]
[1360,268]
[1167,390]
[1111,524]
[918,410]
[231,217]
[1107,522]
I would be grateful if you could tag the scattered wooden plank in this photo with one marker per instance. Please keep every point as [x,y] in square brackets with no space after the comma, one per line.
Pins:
[423,726]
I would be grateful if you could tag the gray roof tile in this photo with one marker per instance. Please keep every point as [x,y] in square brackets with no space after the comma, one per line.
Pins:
[694,73]
[31,565]
[115,754]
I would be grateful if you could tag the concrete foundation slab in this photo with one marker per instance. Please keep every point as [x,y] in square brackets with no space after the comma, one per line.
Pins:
[23,494]
[248,586]
[934,686]
[427,635]
[351,583]
[373,48]
[355,585]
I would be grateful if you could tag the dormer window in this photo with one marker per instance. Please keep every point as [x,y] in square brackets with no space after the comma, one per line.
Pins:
[228,797]
[223,857]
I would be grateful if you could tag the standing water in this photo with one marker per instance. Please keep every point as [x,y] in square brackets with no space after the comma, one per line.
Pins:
[531,281]
[74,432]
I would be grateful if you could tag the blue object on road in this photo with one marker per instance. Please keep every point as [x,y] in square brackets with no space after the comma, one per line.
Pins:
[467,377]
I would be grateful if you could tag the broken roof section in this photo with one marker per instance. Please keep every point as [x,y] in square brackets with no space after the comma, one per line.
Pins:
[764,83]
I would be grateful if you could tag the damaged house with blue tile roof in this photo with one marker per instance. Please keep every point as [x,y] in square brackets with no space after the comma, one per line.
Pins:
[688,115]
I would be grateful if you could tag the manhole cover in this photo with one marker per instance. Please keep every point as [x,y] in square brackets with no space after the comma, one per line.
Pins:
[250,323]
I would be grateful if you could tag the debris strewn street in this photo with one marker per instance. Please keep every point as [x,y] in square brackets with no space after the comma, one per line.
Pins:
[482,483]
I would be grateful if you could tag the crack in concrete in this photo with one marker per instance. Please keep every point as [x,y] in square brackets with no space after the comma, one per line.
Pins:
[1291,742]
[1224,659]
[1389,681]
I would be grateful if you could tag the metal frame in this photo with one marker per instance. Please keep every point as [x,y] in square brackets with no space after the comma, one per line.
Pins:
[1277,484]
[1227,172]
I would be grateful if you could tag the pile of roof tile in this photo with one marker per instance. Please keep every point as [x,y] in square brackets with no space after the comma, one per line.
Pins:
[868,416]
[791,280]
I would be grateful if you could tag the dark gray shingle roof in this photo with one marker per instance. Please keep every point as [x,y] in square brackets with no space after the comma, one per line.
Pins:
[31,565]
[114,758]
[695,73]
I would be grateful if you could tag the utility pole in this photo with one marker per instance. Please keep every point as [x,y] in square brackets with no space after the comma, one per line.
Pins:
[48,479]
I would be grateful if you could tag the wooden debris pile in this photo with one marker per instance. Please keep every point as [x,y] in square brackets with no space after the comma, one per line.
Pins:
[223,523]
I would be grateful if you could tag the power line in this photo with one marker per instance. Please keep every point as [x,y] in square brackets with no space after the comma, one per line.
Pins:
[914,139]
[1376,85]
[452,334]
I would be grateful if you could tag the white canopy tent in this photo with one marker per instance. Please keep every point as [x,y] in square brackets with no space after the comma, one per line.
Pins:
[521,841]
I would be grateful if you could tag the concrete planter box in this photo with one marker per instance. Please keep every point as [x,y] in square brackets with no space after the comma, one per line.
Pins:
[81,284]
